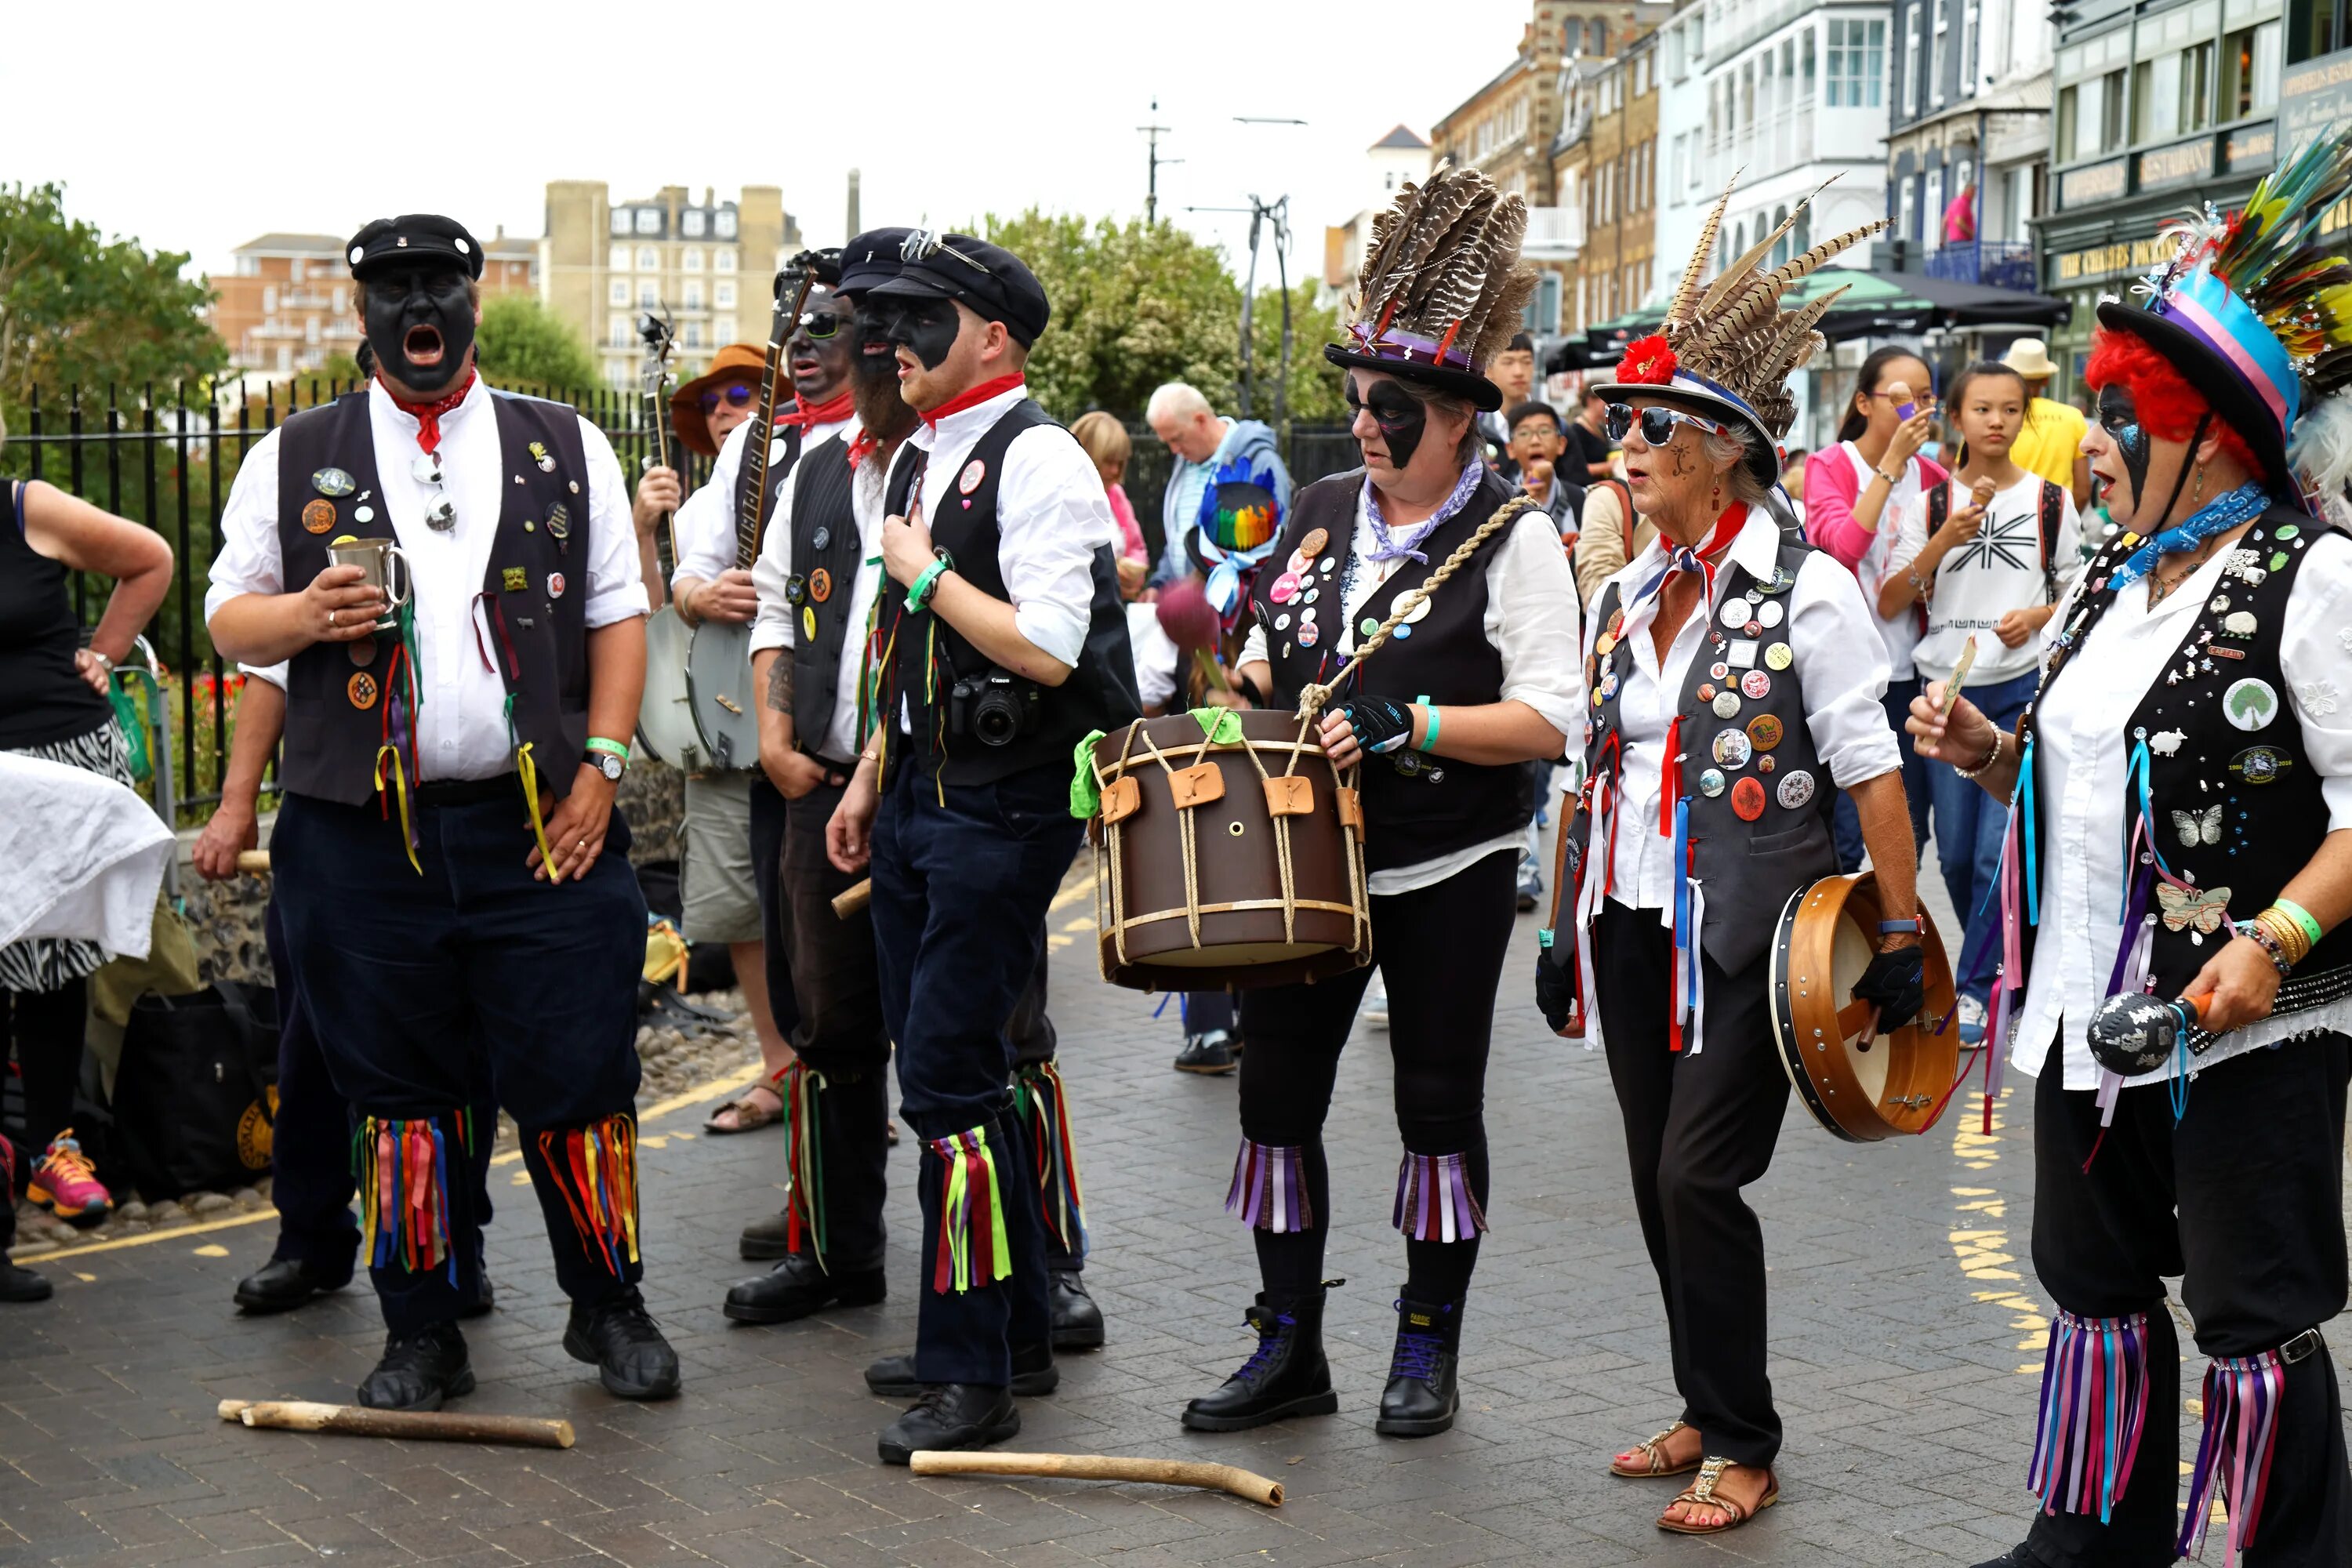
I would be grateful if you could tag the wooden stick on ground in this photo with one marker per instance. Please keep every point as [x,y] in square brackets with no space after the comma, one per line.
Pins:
[853,900]
[1231,1479]
[435,1426]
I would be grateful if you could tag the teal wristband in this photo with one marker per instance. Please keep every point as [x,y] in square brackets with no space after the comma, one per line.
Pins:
[2301,917]
[612,748]
[1428,738]
[919,591]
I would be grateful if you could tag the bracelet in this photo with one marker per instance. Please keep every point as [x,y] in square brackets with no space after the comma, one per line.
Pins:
[2289,934]
[2294,912]
[1998,737]
[919,591]
[107,665]
[1912,926]
[2264,938]
[610,748]
[1429,736]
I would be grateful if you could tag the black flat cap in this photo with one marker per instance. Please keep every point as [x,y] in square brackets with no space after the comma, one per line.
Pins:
[871,258]
[824,265]
[997,284]
[413,237]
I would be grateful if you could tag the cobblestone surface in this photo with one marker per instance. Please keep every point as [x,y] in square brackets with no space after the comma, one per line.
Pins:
[1907,1332]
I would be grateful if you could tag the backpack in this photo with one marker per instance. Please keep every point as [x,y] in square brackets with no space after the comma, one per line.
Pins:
[2054,513]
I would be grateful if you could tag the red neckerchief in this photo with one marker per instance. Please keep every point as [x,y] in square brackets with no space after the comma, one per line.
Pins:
[1700,558]
[802,415]
[862,447]
[975,397]
[428,415]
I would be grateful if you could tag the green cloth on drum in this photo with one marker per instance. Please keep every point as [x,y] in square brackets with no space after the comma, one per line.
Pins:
[1086,794]
[1222,726]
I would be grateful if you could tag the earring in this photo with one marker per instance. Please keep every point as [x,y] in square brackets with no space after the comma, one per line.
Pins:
[2199,489]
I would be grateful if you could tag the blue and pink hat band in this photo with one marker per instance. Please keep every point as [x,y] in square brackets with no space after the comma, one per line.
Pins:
[2205,308]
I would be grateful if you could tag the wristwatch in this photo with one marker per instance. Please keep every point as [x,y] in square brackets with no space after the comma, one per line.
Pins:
[607,757]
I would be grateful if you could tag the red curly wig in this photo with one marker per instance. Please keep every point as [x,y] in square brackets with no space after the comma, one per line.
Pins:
[2167,405]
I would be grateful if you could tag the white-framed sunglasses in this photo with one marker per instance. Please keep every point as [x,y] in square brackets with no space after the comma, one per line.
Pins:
[1656,421]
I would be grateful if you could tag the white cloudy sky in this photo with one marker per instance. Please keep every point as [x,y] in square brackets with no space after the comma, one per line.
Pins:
[197,127]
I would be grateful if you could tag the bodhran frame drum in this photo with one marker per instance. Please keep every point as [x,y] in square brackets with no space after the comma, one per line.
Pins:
[1226,863]
[1859,1085]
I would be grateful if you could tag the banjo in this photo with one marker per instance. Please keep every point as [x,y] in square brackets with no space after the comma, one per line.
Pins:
[719,663]
[664,724]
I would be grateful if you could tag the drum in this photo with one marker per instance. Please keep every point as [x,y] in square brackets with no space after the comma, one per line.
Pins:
[1859,1085]
[1234,862]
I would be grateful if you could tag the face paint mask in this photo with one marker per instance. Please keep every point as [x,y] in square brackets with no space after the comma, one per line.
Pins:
[927,330]
[1401,416]
[871,356]
[873,381]
[420,323]
[2119,419]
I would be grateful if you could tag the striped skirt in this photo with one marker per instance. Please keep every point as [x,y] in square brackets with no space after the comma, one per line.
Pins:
[45,963]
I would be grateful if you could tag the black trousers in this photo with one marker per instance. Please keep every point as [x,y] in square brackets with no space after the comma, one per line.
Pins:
[411,981]
[1441,950]
[48,1027]
[768,820]
[1206,1012]
[1699,1128]
[2245,1198]
[1036,1044]
[312,1182]
[963,876]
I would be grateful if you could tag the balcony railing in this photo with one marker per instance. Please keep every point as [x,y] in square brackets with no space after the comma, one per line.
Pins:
[1995,263]
[1554,234]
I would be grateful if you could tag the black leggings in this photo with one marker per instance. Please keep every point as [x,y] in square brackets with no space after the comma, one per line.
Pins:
[49,1026]
[1441,950]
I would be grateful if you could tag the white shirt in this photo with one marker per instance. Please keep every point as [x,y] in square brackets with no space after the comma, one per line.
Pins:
[774,626]
[1531,621]
[2082,749]
[706,524]
[1905,504]
[1839,663]
[1997,570]
[461,730]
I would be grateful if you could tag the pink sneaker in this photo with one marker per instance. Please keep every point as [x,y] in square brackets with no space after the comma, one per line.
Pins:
[64,1183]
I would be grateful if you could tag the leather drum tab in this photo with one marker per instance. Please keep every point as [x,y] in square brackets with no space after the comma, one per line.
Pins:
[1197,785]
[1120,798]
[1288,797]
[1351,810]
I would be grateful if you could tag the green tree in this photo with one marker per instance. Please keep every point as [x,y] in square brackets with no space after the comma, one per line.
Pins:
[522,342]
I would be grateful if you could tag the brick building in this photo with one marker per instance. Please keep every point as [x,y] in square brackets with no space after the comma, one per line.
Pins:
[1605,168]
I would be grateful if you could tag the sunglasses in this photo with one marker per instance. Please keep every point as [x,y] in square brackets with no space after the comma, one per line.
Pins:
[1657,424]
[737,396]
[822,326]
[922,244]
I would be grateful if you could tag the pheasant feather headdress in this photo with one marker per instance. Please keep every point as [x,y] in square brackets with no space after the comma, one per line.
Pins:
[2256,316]
[1728,346]
[1442,287]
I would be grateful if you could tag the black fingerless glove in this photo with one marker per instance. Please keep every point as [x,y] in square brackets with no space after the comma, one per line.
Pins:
[1896,982]
[1555,984]
[1379,723]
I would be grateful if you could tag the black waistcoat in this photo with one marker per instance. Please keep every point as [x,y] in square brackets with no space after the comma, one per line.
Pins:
[1417,806]
[928,655]
[1759,814]
[827,555]
[2249,796]
[536,582]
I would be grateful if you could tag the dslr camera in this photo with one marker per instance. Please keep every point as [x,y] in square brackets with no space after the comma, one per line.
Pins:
[994,708]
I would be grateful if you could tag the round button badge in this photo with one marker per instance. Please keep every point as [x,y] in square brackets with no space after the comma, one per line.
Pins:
[1756,684]
[1726,704]
[1779,655]
[1747,800]
[1731,749]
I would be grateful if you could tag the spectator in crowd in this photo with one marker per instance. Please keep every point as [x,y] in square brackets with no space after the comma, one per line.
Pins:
[1612,533]
[17,1283]
[1514,371]
[1991,553]
[2050,442]
[55,704]
[702,412]
[1538,438]
[1792,478]
[1106,441]
[1588,443]
[1201,443]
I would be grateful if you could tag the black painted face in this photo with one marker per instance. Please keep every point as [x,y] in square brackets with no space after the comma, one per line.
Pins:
[821,346]
[924,328]
[1403,418]
[874,377]
[420,323]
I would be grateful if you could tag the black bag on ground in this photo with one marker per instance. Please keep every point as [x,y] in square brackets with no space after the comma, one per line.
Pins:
[197,1090]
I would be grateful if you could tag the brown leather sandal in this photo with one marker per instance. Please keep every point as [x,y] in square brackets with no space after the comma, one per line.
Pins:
[750,1114]
[1702,1492]
[1654,1454]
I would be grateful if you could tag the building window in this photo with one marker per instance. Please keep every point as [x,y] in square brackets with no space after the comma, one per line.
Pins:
[620,220]
[2111,111]
[1857,62]
[649,220]
[648,297]
[723,295]
[1571,37]
[723,258]
[649,258]
[691,223]
[689,258]
[1937,55]
[616,331]
[693,334]
[2250,64]
[619,292]
[1641,76]
[1911,62]
[268,296]
[619,260]
[693,294]
[722,222]
[1598,33]
[343,300]
[723,330]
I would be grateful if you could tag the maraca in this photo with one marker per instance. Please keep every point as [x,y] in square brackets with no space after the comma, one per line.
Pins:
[2135,1032]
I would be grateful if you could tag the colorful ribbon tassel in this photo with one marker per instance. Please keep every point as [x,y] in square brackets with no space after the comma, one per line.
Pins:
[1433,1200]
[972,1213]
[2234,1455]
[595,1167]
[1038,1094]
[801,1087]
[1269,1190]
[402,1170]
[2093,1404]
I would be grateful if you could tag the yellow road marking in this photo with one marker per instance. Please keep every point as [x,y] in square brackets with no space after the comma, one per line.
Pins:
[1982,1252]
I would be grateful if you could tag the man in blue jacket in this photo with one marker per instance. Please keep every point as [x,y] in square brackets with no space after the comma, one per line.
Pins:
[1202,442]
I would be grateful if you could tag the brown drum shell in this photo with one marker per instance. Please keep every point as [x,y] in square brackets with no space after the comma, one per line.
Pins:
[1140,885]
[1888,1087]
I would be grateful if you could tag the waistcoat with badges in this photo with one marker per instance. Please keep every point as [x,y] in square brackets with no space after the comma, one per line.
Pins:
[2237,809]
[927,656]
[1759,799]
[338,715]
[1417,806]
[827,555]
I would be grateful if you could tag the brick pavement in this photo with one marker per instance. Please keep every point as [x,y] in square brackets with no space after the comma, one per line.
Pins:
[1905,1330]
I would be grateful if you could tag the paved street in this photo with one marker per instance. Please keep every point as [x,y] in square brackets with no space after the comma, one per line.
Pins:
[1906,1336]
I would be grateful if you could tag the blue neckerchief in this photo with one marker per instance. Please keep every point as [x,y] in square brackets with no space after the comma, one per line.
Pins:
[2219,515]
[1473,472]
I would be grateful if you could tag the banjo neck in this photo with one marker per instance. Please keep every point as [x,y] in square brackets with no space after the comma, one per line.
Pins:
[751,494]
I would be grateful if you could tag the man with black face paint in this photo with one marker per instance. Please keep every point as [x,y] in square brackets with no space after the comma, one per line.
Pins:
[1001,559]
[449,771]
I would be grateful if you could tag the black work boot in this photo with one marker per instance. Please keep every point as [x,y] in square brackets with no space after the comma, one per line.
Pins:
[950,1415]
[1287,1376]
[1078,1321]
[798,1287]
[419,1371]
[1034,1375]
[284,1283]
[1420,1399]
[619,1338]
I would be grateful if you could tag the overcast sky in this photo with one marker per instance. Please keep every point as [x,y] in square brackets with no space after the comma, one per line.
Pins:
[197,127]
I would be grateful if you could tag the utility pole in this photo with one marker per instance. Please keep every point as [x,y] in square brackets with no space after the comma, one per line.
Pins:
[1151,166]
[1263,215]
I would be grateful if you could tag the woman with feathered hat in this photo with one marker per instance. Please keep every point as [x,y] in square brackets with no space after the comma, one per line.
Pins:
[1464,611]
[2181,787]
[1737,676]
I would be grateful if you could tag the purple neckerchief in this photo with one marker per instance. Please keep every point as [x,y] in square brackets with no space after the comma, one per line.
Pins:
[1472,473]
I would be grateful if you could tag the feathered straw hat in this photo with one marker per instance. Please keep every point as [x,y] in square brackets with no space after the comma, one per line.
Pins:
[1727,354]
[2257,318]
[1441,288]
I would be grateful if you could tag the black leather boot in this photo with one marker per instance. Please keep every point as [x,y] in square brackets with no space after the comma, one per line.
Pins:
[284,1283]
[2017,1556]
[1287,1376]
[798,1287]
[1078,1321]
[18,1283]
[950,1415]
[1420,1399]
[1034,1375]
[419,1371]
[619,1338]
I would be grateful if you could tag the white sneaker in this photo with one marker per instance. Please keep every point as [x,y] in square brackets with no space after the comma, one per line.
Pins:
[1376,1002]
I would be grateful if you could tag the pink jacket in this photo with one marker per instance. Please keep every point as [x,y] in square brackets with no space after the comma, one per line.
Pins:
[1830,490]
[1131,533]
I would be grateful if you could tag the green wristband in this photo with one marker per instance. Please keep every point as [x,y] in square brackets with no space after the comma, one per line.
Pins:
[1429,736]
[612,748]
[2301,917]
[918,592]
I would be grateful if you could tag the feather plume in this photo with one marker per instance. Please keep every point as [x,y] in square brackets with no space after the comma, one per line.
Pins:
[1443,264]
[1735,282]
[1685,299]
[1796,332]
[2322,448]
